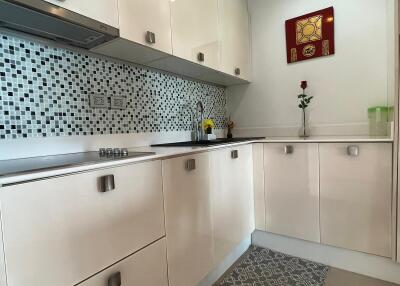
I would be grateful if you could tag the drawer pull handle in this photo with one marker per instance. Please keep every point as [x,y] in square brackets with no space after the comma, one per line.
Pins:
[190,164]
[353,150]
[150,37]
[107,183]
[200,57]
[237,71]
[288,149]
[234,154]
[115,279]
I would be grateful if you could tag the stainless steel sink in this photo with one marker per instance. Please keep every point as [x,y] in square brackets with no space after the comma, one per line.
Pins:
[219,141]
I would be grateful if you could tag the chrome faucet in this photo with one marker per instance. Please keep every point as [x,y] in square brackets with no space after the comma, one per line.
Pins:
[200,119]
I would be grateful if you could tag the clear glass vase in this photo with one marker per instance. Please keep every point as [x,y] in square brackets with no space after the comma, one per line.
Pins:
[304,131]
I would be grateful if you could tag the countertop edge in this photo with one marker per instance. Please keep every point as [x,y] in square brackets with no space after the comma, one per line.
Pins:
[169,153]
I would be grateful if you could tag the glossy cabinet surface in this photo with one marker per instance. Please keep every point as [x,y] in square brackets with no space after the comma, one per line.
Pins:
[292,190]
[356,192]
[194,27]
[235,38]
[105,11]
[61,231]
[148,267]
[232,198]
[137,17]
[258,180]
[188,218]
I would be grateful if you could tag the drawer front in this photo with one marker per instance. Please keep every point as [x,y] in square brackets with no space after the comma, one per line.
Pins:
[356,195]
[148,267]
[61,231]
[292,190]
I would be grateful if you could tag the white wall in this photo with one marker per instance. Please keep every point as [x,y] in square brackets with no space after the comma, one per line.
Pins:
[344,85]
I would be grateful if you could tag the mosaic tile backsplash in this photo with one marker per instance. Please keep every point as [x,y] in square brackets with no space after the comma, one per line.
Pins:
[44,91]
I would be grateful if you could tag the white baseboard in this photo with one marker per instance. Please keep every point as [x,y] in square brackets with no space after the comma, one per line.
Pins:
[357,262]
[30,147]
[212,277]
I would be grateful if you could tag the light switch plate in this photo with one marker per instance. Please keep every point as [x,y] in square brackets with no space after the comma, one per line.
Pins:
[118,102]
[98,101]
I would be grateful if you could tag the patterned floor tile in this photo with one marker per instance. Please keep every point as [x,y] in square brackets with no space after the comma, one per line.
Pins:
[264,267]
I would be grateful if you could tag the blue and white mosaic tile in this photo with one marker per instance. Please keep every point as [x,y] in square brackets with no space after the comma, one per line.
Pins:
[44,91]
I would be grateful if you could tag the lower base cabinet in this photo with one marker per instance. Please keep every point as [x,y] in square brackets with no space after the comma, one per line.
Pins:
[232,198]
[292,190]
[356,196]
[148,267]
[188,218]
[209,210]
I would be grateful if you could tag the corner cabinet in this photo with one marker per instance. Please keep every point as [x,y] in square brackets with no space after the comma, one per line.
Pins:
[105,11]
[356,196]
[188,218]
[292,190]
[235,38]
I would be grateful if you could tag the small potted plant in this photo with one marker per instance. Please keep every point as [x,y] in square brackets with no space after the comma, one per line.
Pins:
[208,125]
[305,100]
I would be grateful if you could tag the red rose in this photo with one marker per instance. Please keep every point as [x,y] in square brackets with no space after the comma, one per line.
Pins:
[304,84]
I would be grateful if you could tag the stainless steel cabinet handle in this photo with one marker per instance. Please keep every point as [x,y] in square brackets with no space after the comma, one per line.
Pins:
[237,71]
[288,149]
[150,37]
[190,164]
[107,183]
[353,150]
[115,279]
[234,154]
[200,57]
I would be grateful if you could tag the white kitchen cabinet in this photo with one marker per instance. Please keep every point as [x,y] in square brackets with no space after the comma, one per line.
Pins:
[194,27]
[356,192]
[235,38]
[232,198]
[292,190]
[138,19]
[105,11]
[2,262]
[61,231]
[148,267]
[188,218]
[259,189]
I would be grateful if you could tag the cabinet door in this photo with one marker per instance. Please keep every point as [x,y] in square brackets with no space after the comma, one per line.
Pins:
[194,25]
[61,231]
[148,267]
[105,11]
[235,38]
[188,220]
[292,190]
[356,196]
[138,17]
[232,198]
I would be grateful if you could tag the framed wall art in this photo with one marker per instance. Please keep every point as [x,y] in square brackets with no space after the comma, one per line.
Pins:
[310,36]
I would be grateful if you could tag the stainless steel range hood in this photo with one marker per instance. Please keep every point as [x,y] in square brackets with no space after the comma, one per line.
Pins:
[44,19]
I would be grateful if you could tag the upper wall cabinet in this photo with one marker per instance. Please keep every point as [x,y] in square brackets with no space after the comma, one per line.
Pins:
[105,11]
[145,32]
[194,27]
[146,22]
[234,38]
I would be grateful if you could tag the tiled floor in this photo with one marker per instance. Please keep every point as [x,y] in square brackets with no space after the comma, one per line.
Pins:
[259,266]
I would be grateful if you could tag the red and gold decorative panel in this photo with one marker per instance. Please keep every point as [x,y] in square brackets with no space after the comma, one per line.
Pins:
[310,36]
